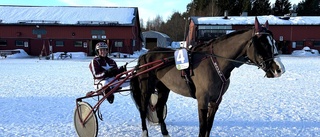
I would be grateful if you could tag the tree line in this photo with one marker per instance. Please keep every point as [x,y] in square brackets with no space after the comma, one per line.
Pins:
[177,24]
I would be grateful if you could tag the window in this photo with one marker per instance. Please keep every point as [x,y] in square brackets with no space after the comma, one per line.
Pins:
[316,43]
[3,43]
[214,27]
[59,43]
[210,34]
[39,31]
[133,43]
[118,43]
[78,43]
[299,43]
[207,32]
[19,43]
[26,44]
[98,32]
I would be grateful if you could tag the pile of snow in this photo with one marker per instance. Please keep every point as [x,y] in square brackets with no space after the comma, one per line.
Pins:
[306,51]
[135,54]
[76,55]
[22,54]
[139,52]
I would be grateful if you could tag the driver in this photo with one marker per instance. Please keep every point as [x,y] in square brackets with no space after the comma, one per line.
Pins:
[104,69]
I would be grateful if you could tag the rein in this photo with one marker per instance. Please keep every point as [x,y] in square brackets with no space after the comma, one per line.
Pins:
[232,60]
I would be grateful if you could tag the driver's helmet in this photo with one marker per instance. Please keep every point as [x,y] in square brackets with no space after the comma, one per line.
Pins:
[101,45]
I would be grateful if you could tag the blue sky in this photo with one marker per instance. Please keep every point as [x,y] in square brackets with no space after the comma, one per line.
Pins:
[148,9]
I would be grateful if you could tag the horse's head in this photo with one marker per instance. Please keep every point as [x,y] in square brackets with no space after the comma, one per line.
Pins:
[263,51]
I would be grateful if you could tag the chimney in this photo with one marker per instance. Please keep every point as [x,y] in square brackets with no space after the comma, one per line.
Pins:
[225,14]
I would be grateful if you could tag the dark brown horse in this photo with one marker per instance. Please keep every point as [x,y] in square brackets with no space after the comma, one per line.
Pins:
[211,65]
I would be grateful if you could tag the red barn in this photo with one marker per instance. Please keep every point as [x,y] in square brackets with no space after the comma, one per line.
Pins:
[291,33]
[69,28]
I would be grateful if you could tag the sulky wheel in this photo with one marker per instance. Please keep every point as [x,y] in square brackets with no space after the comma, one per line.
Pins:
[90,126]
[152,115]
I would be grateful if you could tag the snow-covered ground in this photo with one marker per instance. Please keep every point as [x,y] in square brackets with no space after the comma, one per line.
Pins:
[306,51]
[37,99]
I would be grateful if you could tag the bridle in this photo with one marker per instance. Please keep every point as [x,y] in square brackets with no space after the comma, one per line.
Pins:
[244,60]
[263,64]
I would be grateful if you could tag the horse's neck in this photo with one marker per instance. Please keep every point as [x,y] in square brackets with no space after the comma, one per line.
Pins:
[231,48]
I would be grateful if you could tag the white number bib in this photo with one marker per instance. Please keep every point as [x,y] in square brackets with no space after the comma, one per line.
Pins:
[181,59]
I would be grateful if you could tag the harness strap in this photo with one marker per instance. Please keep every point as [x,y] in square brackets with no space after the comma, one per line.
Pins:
[191,86]
[186,74]
[222,77]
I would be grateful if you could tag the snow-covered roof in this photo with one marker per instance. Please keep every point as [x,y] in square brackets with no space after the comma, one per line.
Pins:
[249,20]
[155,33]
[67,14]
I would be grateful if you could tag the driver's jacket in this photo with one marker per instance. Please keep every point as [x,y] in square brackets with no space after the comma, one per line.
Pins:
[99,67]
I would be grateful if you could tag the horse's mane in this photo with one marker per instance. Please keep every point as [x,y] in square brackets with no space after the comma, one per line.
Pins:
[219,39]
[156,50]
[203,45]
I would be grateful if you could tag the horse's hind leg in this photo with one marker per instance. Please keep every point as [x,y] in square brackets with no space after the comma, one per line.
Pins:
[144,109]
[147,86]
[143,114]
[163,94]
[139,96]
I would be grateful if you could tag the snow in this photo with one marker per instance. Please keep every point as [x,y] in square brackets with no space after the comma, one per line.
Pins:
[249,20]
[124,15]
[66,14]
[22,54]
[306,51]
[38,99]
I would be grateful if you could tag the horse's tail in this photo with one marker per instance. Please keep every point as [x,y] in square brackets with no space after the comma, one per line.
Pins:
[135,91]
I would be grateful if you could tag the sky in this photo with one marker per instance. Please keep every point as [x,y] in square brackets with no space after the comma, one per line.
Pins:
[148,9]
[38,98]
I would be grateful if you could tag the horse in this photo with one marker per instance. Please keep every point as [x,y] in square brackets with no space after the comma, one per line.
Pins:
[209,72]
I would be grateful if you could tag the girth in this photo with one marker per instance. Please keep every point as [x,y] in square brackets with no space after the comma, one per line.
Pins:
[186,74]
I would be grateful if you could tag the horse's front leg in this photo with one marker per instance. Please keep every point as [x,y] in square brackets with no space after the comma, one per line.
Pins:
[213,108]
[203,122]
[202,113]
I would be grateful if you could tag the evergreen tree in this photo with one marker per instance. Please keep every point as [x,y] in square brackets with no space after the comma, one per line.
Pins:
[261,7]
[175,27]
[212,9]
[238,7]
[198,7]
[234,7]
[248,7]
[281,7]
[309,8]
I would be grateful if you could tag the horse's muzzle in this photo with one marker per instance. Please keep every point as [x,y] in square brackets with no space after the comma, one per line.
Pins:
[276,69]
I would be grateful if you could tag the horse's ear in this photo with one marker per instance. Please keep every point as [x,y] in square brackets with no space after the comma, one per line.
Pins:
[266,25]
[257,25]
